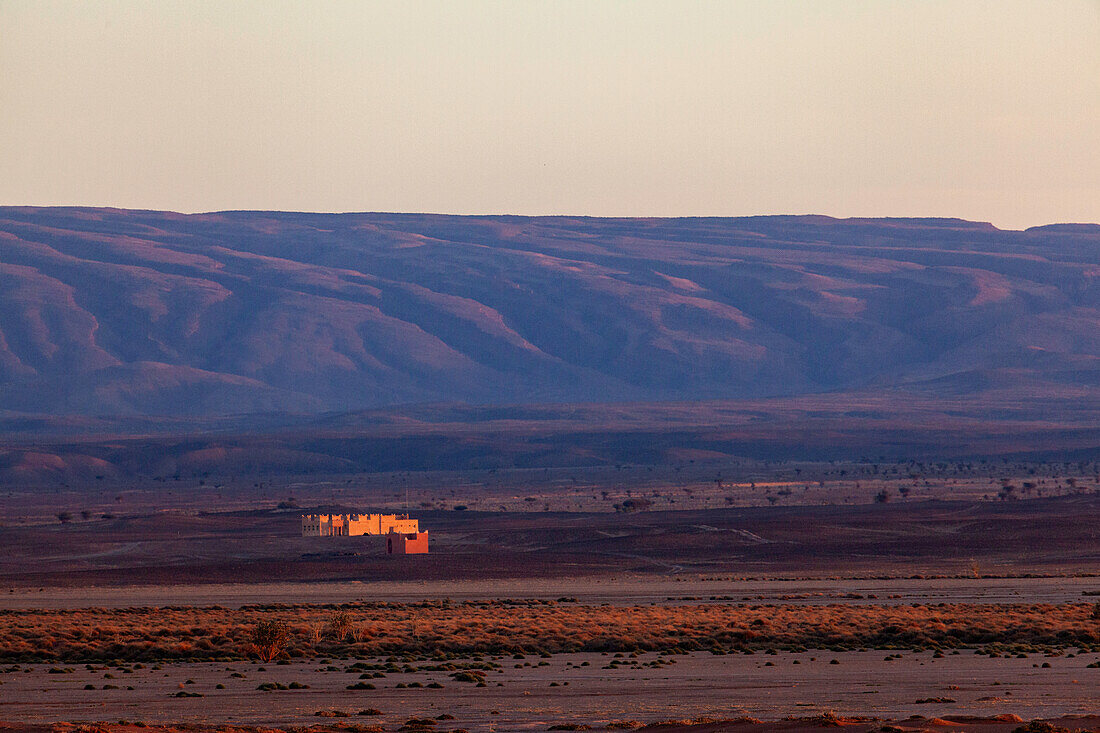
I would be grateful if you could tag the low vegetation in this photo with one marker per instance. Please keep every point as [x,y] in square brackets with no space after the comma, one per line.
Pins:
[530,627]
[337,723]
[269,638]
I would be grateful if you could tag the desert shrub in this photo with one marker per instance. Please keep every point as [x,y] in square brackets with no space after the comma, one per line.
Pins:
[468,676]
[435,632]
[269,638]
[1039,726]
[826,719]
[340,625]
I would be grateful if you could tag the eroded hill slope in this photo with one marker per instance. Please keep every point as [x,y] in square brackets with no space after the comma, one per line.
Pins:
[113,312]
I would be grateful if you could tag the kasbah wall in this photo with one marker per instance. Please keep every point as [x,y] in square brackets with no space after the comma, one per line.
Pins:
[403,535]
[353,525]
[407,544]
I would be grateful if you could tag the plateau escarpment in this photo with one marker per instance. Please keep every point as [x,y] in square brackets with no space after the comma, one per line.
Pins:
[141,313]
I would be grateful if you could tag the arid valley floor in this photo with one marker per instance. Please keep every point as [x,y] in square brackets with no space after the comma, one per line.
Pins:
[738,361]
[918,600]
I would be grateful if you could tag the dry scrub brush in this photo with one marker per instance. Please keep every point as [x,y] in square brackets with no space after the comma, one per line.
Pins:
[370,629]
[269,638]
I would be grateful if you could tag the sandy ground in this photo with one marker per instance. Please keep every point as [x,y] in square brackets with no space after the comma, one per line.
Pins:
[1043,537]
[688,556]
[684,486]
[624,589]
[863,683]
[794,724]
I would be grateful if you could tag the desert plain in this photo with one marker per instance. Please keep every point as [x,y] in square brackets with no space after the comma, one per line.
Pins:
[691,473]
[709,606]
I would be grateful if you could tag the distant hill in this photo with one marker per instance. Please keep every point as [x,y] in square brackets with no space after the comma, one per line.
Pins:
[107,312]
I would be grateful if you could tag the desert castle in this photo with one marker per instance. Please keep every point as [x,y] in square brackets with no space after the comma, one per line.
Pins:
[403,535]
[351,525]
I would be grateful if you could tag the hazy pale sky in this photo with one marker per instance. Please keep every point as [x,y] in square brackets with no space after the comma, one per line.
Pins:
[983,110]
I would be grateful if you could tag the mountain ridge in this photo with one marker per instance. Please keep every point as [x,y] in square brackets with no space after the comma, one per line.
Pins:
[145,313]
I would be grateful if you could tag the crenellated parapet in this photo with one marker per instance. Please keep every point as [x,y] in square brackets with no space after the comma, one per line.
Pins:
[352,525]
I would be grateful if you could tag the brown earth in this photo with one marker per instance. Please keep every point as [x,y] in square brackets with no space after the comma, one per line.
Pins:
[1006,723]
[534,693]
[1043,536]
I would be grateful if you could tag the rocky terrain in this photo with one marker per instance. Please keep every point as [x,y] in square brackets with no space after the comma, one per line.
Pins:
[142,313]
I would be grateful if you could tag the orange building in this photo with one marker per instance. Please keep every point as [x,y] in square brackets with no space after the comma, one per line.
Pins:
[412,543]
[353,525]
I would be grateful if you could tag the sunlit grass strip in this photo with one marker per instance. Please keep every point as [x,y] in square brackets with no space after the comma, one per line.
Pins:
[442,628]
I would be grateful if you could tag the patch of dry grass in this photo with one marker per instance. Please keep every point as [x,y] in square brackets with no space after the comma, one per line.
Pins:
[434,628]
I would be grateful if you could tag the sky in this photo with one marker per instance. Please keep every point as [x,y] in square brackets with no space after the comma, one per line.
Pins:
[985,110]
